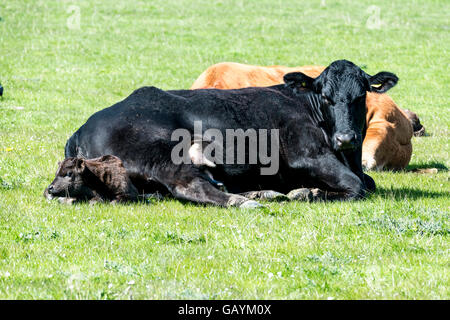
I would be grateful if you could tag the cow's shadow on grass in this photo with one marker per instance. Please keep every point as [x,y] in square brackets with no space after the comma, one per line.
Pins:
[430,165]
[414,193]
[407,193]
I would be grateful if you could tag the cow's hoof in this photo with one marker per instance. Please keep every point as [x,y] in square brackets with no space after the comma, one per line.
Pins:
[302,194]
[94,201]
[251,204]
[318,194]
[64,200]
[305,194]
[266,195]
[152,196]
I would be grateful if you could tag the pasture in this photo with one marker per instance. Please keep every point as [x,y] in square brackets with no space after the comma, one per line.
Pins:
[60,61]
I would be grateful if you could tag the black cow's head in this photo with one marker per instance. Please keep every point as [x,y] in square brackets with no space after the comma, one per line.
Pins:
[342,88]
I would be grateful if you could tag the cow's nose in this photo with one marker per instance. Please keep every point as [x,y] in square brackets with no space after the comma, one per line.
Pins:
[50,188]
[345,140]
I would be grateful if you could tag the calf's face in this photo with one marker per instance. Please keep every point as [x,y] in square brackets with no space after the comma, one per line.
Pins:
[342,88]
[418,128]
[69,181]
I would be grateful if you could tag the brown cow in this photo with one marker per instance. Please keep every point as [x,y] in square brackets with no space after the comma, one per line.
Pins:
[387,144]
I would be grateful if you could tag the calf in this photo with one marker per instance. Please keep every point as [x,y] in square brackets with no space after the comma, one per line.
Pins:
[100,179]
[387,144]
[419,129]
[320,124]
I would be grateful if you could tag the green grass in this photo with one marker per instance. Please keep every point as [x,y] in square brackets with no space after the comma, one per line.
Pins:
[394,245]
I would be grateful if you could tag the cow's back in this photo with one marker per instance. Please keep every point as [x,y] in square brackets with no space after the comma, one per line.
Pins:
[232,75]
[150,115]
[124,122]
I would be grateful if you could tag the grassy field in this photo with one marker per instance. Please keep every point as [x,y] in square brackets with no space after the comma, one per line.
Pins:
[57,70]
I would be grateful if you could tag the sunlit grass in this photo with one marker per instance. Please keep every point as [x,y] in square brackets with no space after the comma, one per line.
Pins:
[393,245]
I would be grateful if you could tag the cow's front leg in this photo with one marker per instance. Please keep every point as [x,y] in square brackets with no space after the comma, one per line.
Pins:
[201,191]
[353,160]
[187,182]
[341,182]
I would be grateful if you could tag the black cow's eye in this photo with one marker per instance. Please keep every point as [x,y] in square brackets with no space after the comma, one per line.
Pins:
[69,174]
[326,100]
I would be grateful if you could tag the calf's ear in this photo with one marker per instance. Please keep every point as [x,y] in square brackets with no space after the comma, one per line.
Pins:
[80,165]
[382,81]
[298,80]
[102,168]
[109,157]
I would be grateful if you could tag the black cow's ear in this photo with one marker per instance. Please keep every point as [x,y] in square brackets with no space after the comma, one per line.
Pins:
[382,81]
[80,165]
[297,80]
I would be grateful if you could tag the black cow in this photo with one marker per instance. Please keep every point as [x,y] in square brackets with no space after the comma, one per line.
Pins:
[321,128]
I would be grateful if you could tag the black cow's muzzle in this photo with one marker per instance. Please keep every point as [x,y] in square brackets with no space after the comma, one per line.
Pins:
[345,141]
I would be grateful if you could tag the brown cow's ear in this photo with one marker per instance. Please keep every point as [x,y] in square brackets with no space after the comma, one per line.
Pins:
[298,80]
[382,81]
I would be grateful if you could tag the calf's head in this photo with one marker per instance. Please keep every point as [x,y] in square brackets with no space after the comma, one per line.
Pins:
[69,180]
[418,128]
[104,177]
[341,90]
